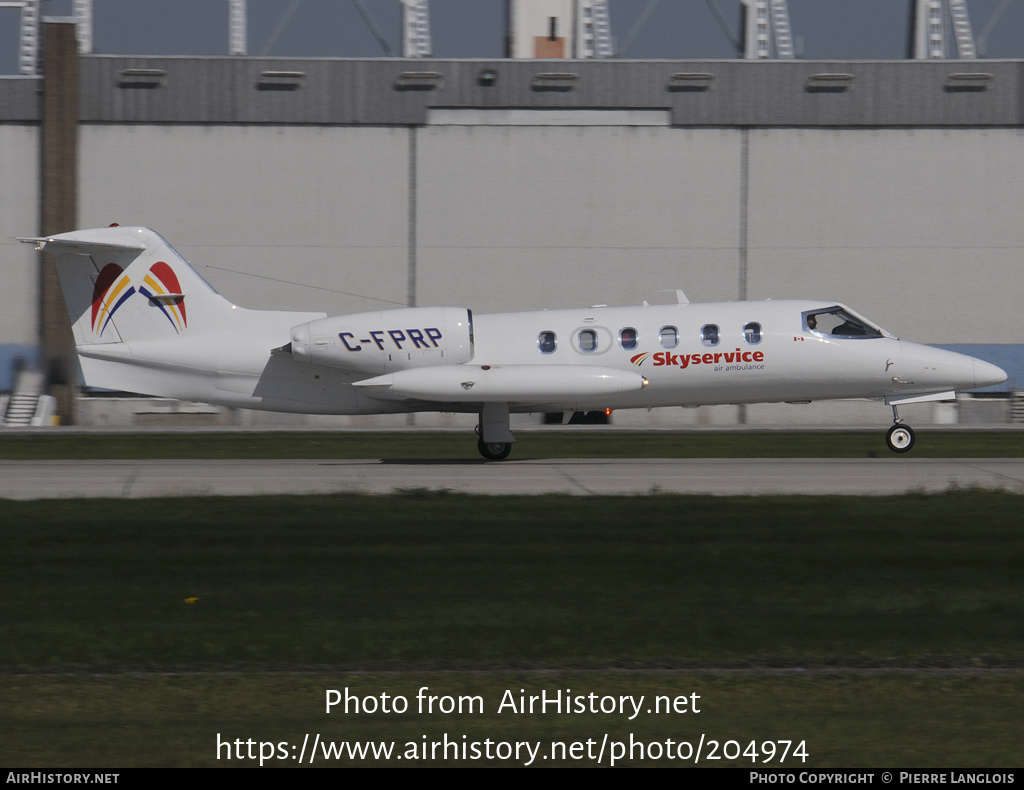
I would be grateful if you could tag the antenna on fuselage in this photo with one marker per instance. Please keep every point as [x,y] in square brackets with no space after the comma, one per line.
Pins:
[680,297]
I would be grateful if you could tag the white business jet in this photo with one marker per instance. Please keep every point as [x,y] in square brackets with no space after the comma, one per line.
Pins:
[144,321]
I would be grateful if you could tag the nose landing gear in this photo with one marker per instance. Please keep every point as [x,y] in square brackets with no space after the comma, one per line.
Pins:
[900,437]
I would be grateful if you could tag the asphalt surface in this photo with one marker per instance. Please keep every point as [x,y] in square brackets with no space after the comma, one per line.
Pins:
[165,478]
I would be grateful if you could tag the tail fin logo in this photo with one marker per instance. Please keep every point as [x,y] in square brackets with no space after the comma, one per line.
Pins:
[163,289]
[111,290]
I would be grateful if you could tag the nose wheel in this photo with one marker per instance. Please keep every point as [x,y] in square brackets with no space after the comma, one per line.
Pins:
[900,437]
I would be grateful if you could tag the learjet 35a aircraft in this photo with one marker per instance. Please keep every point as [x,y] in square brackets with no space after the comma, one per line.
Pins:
[144,321]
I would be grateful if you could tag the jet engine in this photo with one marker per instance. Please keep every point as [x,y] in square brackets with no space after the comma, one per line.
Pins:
[387,340]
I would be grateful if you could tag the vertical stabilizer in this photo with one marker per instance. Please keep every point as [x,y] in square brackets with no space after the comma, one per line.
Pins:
[123,285]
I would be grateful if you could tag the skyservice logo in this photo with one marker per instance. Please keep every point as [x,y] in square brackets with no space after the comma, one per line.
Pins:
[663,358]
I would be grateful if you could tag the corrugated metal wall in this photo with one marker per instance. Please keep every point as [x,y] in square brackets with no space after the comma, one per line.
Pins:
[19,216]
[20,99]
[918,226]
[288,217]
[527,217]
[20,151]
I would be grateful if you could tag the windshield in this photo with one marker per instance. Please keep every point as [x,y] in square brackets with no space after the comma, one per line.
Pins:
[839,322]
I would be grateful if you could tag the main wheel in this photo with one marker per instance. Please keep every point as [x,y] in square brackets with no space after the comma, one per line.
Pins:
[900,438]
[494,451]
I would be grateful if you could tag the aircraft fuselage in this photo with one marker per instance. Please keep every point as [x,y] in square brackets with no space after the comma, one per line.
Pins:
[689,355]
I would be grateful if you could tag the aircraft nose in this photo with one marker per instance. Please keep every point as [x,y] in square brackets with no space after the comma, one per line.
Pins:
[987,374]
[928,366]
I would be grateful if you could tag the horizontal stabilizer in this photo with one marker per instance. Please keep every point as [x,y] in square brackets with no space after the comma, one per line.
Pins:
[506,383]
[67,242]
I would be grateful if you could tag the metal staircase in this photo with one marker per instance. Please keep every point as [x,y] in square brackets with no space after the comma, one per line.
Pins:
[783,33]
[28,56]
[766,23]
[594,30]
[1017,406]
[27,406]
[415,29]
[930,29]
[962,32]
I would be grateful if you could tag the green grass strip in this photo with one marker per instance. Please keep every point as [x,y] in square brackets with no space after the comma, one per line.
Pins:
[436,580]
[541,444]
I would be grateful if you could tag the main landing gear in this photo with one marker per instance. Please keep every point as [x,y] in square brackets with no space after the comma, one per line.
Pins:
[900,437]
[495,439]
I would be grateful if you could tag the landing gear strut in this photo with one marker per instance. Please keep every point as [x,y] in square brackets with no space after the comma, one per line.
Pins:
[900,437]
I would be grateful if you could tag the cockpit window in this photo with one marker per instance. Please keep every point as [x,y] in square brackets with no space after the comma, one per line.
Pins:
[839,322]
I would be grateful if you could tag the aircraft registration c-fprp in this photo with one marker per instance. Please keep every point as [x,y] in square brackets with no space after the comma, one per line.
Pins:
[144,321]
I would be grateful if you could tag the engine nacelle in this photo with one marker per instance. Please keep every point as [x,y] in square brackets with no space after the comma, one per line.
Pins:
[386,340]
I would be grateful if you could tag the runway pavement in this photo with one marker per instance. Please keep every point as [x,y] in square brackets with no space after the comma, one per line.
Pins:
[163,478]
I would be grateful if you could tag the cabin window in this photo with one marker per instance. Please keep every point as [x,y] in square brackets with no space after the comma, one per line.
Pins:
[669,337]
[628,338]
[839,322]
[546,342]
[588,340]
[752,333]
[709,334]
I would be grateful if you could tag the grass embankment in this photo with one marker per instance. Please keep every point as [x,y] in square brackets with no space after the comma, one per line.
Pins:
[475,595]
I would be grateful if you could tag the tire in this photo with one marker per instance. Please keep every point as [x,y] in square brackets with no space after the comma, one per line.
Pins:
[494,451]
[900,438]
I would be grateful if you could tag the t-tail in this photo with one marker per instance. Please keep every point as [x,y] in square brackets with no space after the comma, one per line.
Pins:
[144,320]
[125,285]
